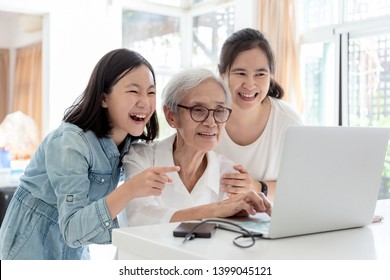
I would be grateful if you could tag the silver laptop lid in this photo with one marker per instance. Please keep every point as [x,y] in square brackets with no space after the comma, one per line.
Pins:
[329,179]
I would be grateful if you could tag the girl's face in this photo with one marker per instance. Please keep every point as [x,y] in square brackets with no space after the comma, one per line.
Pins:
[131,103]
[249,78]
[200,136]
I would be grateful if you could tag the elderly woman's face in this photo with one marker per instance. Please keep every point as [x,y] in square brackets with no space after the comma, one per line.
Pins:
[203,135]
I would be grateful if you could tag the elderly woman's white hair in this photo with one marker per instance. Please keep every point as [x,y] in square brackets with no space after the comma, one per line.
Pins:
[181,84]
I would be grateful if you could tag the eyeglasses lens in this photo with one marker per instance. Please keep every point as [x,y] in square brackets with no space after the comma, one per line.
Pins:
[200,113]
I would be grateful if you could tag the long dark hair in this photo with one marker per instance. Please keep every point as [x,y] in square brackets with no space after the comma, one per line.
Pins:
[243,40]
[87,112]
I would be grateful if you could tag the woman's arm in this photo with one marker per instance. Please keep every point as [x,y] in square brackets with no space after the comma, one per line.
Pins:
[271,186]
[142,191]
[250,202]
[150,182]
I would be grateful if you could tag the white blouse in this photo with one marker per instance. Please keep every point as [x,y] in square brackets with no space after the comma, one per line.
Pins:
[262,157]
[175,196]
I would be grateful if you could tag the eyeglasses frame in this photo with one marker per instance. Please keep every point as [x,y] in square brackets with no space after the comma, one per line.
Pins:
[190,108]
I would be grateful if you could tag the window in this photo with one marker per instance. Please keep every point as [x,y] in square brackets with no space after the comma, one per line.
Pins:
[369,80]
[209,32]
[345,57]
[160,32]
[356,10]
[318,82]
[316,13]
[161,25]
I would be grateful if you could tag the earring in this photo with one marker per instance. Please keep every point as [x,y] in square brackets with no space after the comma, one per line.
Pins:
[172,125]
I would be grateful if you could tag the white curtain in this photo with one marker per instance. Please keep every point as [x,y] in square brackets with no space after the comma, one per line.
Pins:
[27,96]
[277,21]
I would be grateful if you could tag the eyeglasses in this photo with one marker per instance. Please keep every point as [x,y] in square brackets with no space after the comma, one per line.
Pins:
[200,113]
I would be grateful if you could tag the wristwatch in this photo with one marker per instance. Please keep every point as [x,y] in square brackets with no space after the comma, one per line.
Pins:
[264,188]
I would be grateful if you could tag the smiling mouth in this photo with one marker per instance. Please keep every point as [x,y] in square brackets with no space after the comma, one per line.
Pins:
[207,134]
[248,96]
[138,117]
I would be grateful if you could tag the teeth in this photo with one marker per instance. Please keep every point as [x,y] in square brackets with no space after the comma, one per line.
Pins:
[138,116]
[208,134]
[247,95]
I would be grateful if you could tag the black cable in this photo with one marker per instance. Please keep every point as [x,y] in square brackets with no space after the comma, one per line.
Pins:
[244,232]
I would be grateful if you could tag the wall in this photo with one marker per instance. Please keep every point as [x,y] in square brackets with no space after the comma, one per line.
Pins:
[13,32]
[76,34]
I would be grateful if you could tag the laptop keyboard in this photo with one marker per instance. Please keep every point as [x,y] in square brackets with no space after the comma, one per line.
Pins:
[258,227]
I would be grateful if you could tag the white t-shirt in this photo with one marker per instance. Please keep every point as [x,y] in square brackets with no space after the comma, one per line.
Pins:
[262,157]
[175,196]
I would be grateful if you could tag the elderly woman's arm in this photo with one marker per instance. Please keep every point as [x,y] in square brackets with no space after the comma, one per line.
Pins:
[250,202]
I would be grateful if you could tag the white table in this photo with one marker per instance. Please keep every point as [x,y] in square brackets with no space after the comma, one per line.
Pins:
[157,242]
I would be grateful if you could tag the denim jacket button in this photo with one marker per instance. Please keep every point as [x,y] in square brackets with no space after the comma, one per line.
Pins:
[102,181]
[107,224]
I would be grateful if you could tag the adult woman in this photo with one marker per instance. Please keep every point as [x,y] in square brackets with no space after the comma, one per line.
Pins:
[255,131]
[67,198]
[195,103]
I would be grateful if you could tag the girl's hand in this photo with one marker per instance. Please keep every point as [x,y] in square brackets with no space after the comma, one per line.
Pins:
[151,181]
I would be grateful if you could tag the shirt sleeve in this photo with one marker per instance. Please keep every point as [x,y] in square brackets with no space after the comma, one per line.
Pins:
[139,158]
[147,211]
[81,222]
[144,210]
[284,117]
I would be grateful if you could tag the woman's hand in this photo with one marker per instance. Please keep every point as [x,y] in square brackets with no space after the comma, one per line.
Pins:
[249,202]
[151,181]
[240,182]
[148,182]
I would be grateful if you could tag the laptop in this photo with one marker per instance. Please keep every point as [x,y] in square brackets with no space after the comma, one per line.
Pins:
[329,179]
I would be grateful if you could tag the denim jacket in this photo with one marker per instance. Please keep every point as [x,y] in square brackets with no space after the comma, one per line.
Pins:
[73,171]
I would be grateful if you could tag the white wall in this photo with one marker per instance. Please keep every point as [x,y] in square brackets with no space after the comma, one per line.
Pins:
[76,34]
[13,33]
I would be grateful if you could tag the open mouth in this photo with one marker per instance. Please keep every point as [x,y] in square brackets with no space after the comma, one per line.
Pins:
[248,96]
[138,117]
[207,134]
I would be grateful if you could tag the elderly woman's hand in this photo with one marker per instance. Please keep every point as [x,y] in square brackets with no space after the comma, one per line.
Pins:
[249,202]
[239,182]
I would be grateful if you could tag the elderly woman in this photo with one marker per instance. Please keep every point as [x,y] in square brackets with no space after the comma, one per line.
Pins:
[196,103]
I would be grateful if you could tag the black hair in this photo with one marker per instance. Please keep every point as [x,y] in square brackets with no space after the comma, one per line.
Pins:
[87,112]
[243,40]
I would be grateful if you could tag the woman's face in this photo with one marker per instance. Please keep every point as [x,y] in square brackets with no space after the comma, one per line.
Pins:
[249,78]
[202,136]
[131,103]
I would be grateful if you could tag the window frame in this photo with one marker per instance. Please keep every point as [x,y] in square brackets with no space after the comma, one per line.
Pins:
[185,13]
[339,34]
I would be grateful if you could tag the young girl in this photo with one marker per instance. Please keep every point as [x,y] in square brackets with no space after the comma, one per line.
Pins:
[68,197]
